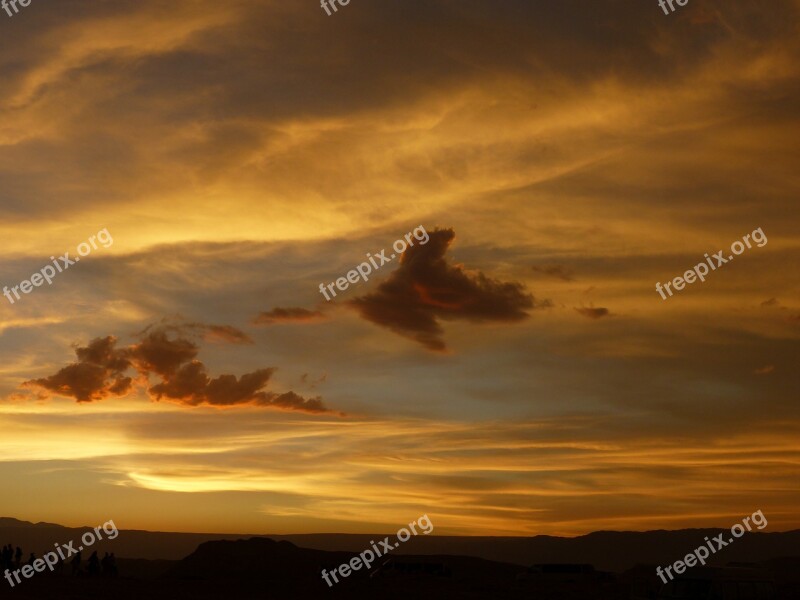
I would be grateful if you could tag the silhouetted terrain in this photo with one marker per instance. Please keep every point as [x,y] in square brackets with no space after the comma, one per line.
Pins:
[436,566]
[606,550]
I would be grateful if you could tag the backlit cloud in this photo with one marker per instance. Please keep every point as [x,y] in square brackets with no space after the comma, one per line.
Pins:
[426,289]
[99,374]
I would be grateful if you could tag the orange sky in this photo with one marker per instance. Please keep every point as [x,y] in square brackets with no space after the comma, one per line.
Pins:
[517,375]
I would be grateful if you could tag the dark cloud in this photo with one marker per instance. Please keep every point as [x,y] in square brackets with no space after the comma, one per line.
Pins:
[292,401]
[160,354]
[84,382]
[557,271]
[425,289]
[101,352]
[227,389]
[188,384]
[287,315]
[192,385]
[99,373]
[770,302]
[594,313]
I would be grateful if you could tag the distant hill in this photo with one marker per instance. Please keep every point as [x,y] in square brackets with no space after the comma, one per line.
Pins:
[9,522]
[254,558]
[130,543]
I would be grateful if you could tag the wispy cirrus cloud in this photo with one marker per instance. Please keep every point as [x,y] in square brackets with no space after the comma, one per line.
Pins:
[555,271]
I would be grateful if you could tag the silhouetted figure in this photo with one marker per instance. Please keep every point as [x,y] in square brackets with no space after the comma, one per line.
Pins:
[104,565]
[94,564]
[112,565]
[18,557]
[76,564]
[31,558]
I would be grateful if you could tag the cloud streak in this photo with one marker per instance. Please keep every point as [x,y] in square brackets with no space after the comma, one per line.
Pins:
[288,315]
[593,313]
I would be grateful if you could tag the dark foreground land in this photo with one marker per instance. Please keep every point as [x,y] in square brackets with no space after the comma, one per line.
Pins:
[262,568]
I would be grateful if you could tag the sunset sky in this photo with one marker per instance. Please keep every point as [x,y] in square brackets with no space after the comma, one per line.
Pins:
[516,375]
